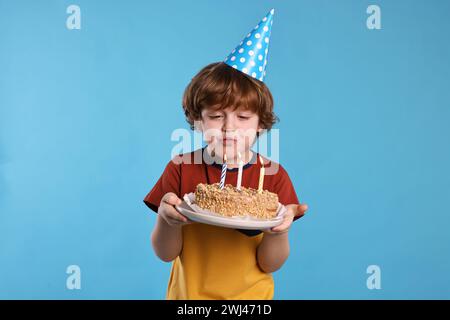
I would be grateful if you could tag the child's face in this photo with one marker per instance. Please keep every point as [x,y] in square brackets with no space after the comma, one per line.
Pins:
[230,131]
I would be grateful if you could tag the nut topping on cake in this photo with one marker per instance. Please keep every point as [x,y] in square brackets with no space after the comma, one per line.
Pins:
[230,201]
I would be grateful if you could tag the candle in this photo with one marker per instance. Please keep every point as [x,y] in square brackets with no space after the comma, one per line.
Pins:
[239,178]
[261,175]
[224,172]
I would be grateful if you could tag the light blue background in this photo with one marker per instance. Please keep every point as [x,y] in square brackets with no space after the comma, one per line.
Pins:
[86,118]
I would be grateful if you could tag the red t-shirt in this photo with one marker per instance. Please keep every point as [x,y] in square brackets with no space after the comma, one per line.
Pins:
[182,174]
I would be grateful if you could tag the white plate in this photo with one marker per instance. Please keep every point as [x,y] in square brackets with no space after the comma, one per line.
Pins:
[189,209]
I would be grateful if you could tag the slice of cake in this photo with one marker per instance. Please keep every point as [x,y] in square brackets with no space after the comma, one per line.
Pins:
[230,201]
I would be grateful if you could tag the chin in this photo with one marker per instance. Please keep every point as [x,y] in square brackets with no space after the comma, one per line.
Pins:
[231,150]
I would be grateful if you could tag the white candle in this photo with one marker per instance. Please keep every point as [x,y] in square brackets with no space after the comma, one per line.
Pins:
[224,172]
[261,176]
[239,178]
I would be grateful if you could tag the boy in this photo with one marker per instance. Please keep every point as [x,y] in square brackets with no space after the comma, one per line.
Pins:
[231,105]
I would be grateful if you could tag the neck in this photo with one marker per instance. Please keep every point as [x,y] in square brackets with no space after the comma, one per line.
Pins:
[246,157]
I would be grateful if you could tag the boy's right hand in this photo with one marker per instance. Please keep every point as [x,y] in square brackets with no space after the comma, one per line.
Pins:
[168,212]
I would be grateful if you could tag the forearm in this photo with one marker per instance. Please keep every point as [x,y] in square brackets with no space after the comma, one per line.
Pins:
[273,251]
[167,240]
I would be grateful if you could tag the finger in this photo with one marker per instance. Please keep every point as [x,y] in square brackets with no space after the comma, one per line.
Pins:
[172,213]
[304,207]
[175,222]
[179,222]
[299,215]
[279,229]
[301,210]
[290,213]
[171,199]
[282,227]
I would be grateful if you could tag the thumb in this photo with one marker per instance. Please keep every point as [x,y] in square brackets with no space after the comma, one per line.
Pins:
[301,210]
[171,198]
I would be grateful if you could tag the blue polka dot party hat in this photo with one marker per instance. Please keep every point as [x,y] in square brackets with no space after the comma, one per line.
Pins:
[250,56]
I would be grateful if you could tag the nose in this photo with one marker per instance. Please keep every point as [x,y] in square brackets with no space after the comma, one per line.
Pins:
[228,124]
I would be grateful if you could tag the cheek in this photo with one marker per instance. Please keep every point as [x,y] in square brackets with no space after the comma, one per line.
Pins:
[252,124]
[206,125]
[210,130]
[249,128]
[246,138]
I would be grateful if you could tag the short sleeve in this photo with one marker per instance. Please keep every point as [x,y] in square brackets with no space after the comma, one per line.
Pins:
[168,182]
[284,188]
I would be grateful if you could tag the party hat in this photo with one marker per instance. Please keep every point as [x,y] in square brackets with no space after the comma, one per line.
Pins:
[250,56]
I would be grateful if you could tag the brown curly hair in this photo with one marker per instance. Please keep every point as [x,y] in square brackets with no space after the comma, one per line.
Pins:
[220,86]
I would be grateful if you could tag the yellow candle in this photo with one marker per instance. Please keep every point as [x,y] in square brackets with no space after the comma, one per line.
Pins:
[239,178]
[261,175]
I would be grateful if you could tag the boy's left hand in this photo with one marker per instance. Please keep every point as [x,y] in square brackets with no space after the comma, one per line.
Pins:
[293,210]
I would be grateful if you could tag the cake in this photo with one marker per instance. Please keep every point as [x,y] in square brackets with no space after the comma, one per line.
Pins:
[231,201]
